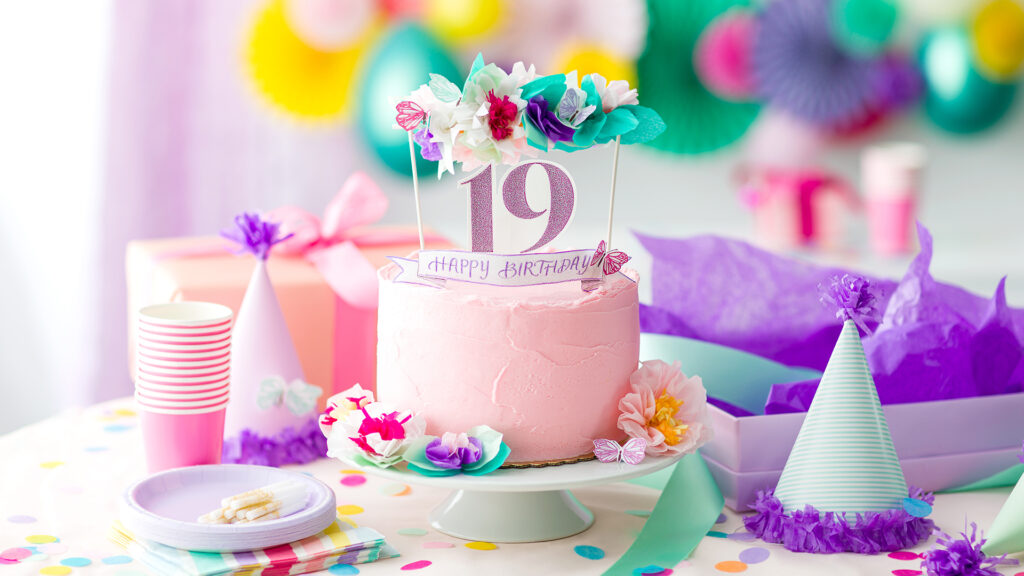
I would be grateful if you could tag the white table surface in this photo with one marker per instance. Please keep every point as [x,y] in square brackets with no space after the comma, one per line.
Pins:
[67,473]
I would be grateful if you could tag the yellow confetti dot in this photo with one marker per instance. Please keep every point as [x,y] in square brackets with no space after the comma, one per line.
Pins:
[40,539]
[124,412]
[349,509]
[731,566]
[352,472]
[55,570]
[51,464]
[348,521]
[481,546]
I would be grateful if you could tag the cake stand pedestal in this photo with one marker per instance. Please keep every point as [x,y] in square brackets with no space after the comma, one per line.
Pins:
[520,505]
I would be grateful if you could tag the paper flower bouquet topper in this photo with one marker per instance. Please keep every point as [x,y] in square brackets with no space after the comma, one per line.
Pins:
[497,118]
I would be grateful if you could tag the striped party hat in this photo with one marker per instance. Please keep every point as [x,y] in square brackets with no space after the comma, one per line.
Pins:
[843,459]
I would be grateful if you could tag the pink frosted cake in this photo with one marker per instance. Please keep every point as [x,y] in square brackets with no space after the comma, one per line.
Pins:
[545,365]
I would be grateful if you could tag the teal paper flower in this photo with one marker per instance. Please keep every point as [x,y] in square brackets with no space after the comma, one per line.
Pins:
[487,451]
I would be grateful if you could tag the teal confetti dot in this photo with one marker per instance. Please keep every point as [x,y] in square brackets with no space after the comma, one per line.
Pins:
[115,428]
[76,562]
[651,569]
[589,552]
[916,508]
[343,570]
[113,560]
[412,532]
[96,448]
[717,534]
[640,513]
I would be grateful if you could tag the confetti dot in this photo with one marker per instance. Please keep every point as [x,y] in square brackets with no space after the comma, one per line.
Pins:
[649,570]
[124,412]
[721,518]
[754,555]
[589,552]
[96,448]
[343,569]
[350,509]
[481,546]
[76,562]
[717,534]
[438,545]
[904,555]
[731,566]
[55,570]
[15,554]
[116,428]
[55,548]
[905,572]
[21,519]
[360,472]
[117,560]
[395,490]
[742,537]
[412,532]
[417,565]
[40,539]
[640,513]
[5,562]
[51,464]
[353,480]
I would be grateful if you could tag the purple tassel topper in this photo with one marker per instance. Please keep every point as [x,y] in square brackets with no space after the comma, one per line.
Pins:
[254,234]
[852,298]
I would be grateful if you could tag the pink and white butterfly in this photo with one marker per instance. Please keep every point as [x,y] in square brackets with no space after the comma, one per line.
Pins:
[410,115]
[611,261]
[631,452]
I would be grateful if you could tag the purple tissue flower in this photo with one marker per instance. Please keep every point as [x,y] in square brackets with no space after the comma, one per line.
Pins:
[545,120]
[254,234]
[429,150]
[851,296]
[961,557]
[453,451]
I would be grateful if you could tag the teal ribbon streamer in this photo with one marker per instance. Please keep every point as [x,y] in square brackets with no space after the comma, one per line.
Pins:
[688,507]
[1008,477]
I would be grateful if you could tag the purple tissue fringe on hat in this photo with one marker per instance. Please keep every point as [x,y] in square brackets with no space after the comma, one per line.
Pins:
[254,234]
[808,530]
[289,446]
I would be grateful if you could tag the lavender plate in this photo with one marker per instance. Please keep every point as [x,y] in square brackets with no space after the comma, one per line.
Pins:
[164,507]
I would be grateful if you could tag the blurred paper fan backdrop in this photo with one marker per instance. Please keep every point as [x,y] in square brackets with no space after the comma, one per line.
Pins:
[697,120]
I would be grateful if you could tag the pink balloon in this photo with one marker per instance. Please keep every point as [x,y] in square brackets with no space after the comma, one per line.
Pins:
[722,57]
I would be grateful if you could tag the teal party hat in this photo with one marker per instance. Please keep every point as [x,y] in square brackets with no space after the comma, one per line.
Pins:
[844,459]
[1006,535]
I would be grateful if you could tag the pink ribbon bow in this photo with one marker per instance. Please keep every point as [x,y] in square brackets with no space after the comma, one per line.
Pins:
[329,243]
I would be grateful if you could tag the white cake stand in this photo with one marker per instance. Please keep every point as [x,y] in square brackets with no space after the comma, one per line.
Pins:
[520,505]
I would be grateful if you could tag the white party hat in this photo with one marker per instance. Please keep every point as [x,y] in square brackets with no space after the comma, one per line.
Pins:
[269,394]
[844,459]
[1006,536]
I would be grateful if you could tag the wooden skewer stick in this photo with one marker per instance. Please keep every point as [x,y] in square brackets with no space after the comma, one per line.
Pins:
[416,190]
[611,203]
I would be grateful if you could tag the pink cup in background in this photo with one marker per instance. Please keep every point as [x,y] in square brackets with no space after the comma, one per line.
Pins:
[168,386]
[891,180]
[180,394]
[184,438]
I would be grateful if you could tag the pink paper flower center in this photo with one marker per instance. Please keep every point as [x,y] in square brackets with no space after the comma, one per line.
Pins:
[501,116]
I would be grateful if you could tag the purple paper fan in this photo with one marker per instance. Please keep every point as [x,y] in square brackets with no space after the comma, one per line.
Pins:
[799,68]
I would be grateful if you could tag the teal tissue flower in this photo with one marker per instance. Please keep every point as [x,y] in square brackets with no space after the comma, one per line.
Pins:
[477,452]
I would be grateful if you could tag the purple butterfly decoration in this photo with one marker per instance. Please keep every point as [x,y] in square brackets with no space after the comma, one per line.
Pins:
[611,261]
[631,452]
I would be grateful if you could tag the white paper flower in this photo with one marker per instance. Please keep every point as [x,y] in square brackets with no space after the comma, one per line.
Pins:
[376,433]
[615,93]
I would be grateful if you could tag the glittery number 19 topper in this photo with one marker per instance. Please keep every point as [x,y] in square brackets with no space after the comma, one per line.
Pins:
[561,189]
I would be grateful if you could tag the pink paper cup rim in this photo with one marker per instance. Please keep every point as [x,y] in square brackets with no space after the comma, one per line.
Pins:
[182,404]
[171,386]
[183,395]
[186,314]
[187,357]
[159,373]
[179,340]
[183,367]
[185,348]
[204,333]
[155,410]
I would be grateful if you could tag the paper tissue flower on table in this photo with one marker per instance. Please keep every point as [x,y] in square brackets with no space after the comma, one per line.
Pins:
[272,418]
[842,489]
[752,341]
[340,543]
[324,277]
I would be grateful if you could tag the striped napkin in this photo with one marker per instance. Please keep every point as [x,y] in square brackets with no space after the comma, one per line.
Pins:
[340,543]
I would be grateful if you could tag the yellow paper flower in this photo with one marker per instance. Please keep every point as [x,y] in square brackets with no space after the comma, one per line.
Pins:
[295,77]
[997,33]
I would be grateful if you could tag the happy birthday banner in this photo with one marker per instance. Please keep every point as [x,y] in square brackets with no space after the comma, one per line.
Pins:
[436,266]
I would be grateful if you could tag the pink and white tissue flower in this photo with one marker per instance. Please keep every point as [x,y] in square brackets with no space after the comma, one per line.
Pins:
[615,93]
[477,144]
[665,408]
[376,433]
[339,405]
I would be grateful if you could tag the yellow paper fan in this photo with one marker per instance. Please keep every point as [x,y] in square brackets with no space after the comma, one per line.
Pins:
[588,58]
[295,77]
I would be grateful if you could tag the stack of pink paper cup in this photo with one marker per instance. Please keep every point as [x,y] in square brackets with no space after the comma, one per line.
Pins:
[182,382]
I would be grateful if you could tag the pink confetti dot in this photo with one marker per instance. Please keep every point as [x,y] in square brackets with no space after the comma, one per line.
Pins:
[353,480]
[417,565]
[15,554]
[6,562]
[904,555]
[438,545]
[907,573]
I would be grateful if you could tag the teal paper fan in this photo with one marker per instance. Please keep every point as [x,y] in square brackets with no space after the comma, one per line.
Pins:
[697,121]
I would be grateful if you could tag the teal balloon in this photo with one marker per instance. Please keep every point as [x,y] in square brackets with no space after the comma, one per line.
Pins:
[402,61]
[958,98]
[864,26]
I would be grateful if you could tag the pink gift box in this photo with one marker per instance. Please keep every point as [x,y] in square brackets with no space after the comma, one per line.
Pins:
[941,445]
[336,340]
[794,208]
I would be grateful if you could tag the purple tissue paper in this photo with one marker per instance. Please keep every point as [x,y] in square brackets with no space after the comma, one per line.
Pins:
[935,341]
